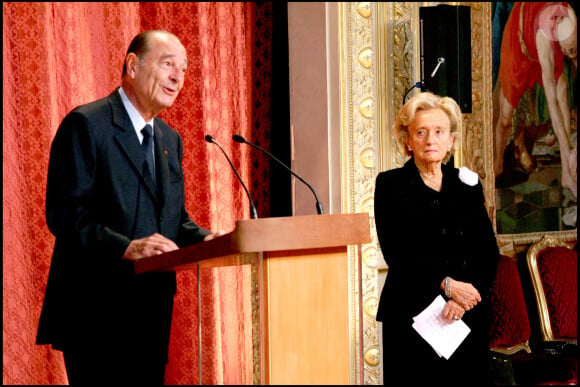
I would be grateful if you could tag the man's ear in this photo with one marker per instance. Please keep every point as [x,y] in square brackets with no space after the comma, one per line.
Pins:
[132,62]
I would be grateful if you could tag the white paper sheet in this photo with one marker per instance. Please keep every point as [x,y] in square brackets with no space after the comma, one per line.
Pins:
[445,337]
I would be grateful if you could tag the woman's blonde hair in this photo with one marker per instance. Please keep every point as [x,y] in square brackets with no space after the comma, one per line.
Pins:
[426,101]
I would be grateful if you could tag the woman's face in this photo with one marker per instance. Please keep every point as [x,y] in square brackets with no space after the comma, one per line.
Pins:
[429,135]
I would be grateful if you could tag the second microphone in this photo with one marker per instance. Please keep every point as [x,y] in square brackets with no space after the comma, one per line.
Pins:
[239,138]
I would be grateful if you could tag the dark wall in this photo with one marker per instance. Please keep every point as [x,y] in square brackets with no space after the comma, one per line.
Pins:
[280,179]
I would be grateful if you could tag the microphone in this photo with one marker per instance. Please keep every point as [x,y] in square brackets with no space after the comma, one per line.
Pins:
[439,62]
[239,138]
[253,212]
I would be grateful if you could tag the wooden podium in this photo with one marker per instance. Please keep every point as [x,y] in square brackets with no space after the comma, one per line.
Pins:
[300,291]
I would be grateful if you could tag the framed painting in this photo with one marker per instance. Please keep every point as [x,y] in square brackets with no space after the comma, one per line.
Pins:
[534,126]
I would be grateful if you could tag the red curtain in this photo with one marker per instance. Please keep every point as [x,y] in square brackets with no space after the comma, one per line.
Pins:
[59,55]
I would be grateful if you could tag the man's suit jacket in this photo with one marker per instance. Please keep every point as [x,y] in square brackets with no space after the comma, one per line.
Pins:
[98,200]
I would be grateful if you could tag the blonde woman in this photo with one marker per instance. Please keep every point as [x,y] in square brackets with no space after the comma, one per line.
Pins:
[437,239]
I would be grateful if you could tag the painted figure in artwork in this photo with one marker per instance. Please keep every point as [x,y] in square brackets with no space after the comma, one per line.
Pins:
[537,68]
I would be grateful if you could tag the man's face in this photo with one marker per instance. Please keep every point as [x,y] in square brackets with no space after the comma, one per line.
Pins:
[160,74]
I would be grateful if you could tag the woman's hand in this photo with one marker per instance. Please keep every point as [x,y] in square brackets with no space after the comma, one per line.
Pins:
[452,311]
[464,293]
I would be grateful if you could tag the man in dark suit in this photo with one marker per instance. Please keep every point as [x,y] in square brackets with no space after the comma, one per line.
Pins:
[108,206]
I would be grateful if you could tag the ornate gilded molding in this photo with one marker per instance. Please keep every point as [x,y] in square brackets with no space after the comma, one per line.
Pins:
[358,69]
[477,141]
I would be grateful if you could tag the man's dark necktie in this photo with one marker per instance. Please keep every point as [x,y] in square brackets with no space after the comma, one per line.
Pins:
[147,146]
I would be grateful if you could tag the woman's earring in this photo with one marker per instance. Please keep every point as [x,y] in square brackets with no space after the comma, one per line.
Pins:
[409,148]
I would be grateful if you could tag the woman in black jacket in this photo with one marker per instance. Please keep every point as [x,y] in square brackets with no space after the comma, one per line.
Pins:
[437,239]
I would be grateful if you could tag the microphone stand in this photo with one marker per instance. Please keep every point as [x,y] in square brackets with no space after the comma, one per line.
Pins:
[239,138]
[253,212]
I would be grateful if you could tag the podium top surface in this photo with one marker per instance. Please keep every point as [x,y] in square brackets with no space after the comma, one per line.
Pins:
[268,234]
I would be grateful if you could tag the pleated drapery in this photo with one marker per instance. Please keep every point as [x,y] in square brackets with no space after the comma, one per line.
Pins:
[57,56]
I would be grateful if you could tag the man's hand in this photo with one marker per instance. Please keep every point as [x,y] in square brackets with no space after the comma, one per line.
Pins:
[214,235]
[146,247]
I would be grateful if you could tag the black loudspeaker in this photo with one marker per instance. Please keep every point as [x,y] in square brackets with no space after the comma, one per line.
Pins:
[445,43]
